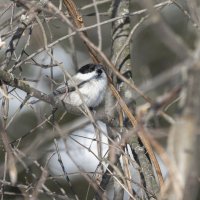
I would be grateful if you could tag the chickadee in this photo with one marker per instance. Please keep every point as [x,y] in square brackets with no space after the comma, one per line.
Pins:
[91,81]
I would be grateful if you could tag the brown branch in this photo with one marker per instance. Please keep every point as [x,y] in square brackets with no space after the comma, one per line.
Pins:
[12,80]
[183,143]
[34,8]
[39,184]
[64,170]
[164,32]
[116,94]
[11,166]
[78,21]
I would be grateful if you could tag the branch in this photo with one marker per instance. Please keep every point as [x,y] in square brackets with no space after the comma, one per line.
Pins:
[164,32]
[121,58]
[10,79]
[34,8]
[183,143]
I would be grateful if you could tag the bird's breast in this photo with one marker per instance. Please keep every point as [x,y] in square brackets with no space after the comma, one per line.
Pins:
[92,93]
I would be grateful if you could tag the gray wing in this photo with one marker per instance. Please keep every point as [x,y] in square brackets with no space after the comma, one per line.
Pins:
[69,86]
[65,88]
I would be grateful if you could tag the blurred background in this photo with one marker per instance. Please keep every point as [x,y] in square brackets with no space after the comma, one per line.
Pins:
[29,127]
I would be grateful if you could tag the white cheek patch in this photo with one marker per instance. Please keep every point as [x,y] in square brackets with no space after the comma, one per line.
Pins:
[92,93]
[86,76]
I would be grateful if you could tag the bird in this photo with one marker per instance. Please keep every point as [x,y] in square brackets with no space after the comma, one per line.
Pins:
[87,87]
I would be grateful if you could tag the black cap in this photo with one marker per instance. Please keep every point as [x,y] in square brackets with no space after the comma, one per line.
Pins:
[89,68]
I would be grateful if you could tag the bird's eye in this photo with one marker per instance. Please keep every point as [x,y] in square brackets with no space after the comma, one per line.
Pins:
[99,72]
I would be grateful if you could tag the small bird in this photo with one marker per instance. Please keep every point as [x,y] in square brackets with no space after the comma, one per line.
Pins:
[91,82]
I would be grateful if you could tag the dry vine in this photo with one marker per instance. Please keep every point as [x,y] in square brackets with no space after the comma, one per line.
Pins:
[126,167]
